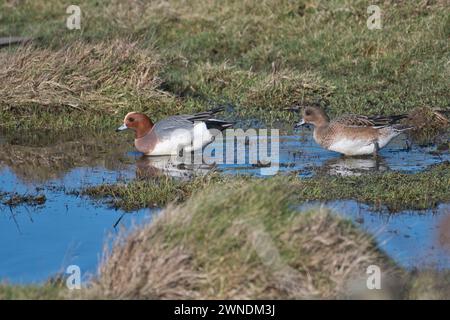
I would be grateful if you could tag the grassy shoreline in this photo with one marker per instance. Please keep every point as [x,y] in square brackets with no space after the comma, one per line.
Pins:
[419,191]
[169,57]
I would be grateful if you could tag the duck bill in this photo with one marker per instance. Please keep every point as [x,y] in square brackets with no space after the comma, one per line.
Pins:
[121,128]
[298,125]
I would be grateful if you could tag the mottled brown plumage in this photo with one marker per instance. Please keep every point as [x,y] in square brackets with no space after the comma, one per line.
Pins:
[376,122]
[352,134]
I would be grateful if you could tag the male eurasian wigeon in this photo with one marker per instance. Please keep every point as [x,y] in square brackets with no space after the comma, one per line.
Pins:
[352,134]
[175,133]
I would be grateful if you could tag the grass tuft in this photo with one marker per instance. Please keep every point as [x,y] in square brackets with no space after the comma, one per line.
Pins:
[235,242]
[96,81]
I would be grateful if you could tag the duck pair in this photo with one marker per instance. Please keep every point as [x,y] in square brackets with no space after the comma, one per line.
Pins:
[350,135]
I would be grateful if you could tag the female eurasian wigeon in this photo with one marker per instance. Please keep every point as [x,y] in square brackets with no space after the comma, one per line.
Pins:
[175,133]
[352,134]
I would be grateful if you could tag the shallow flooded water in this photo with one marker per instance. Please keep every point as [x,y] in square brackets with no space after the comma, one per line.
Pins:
[41,239]
[413,238]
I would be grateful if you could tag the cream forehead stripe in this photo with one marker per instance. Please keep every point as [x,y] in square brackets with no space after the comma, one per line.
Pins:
[129,113]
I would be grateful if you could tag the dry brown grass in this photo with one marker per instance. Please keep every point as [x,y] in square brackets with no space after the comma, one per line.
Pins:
[338,253]
[430,285]
[238,243]
[100,78]
[144,266]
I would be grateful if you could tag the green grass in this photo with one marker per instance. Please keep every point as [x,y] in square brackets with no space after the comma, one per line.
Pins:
[156,192]
[257,56]
[394,190]
[80,85]
[418,191]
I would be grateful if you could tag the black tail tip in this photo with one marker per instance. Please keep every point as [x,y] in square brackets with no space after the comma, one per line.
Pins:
[217,109]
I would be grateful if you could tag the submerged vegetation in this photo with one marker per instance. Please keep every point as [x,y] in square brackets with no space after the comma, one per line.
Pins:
[13,199]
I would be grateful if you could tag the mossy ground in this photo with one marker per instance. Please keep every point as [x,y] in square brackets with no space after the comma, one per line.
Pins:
[418,191]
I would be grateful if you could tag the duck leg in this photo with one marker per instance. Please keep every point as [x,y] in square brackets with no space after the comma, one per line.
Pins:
[408,145]
[376,149]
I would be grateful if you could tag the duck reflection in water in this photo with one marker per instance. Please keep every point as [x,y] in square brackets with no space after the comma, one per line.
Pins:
[354,166]
[155,166]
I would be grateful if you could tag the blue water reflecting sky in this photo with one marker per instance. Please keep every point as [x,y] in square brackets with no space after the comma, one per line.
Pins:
[412,238]
[38,242]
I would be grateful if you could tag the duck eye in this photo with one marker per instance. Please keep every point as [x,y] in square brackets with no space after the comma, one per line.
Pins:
[307,113]
[131,119]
